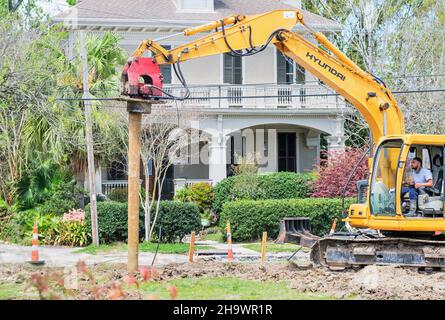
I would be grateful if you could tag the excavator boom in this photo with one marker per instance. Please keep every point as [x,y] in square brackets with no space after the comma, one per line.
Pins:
[253,33]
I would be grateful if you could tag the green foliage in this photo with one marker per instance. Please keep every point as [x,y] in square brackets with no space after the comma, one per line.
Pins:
[250,218]
[199,193]
[48,185]
[62,198]
[36,183]
[4,208]
[280,185]
[112,220]
[287,185]
[71,233]
[248,186]
[24,220]
[52,229]
[183,195]
[177,220]
[9,231]
[119,195]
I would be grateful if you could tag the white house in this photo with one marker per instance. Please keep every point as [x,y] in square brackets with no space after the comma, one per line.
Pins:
[258,91]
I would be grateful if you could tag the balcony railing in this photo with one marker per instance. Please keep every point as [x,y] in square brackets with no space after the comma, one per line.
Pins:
[168,190]
[260,96]
[110,185]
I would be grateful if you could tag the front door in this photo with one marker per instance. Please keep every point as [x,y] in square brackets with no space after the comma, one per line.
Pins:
[287,152]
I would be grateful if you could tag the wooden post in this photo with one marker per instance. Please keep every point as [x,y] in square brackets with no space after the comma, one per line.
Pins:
[263,247]
[134,157]
[192,247]
[135,110]
[89,140]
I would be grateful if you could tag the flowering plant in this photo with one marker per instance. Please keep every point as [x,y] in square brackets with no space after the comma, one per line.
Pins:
[74,215]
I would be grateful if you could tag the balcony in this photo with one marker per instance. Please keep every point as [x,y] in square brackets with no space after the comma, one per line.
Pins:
[259,96]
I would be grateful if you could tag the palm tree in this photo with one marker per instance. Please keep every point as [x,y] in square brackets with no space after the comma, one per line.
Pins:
[62,135]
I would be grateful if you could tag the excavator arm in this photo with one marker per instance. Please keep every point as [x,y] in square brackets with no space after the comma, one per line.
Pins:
[252,34]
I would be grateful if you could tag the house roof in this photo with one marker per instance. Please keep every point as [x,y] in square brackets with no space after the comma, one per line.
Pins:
[129,12]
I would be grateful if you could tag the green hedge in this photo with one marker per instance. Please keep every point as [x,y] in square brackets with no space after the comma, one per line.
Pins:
[177,220]
[249,218]
[279,185]
[287,185]
[112,219]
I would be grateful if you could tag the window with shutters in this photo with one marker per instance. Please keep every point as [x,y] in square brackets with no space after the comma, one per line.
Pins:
[233,69]
[289,71]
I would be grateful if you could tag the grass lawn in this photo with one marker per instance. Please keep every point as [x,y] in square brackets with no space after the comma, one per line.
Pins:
[274,247]
[213,237]
[177,248]
[11,291]
[223,288]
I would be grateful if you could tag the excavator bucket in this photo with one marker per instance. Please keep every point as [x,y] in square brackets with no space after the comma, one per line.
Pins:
[296,230]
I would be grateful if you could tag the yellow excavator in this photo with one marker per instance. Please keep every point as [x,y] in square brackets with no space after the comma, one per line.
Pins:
[379,230]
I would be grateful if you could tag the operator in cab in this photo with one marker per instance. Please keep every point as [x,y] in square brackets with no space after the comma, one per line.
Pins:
[420,178]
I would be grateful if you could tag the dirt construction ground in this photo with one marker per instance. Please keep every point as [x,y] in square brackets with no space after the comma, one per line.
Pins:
[371,282]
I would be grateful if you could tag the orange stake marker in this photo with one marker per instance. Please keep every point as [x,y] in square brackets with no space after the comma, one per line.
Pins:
[229,242]
[35,247]
[192,247]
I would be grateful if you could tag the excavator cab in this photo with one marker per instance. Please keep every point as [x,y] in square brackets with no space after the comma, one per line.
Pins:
[387,206]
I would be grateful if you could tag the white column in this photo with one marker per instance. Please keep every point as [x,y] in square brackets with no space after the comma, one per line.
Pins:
[337,140]
[217,159]
[98,179]
[218,153]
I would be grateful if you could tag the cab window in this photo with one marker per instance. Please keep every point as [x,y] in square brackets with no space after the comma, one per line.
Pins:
[384,176]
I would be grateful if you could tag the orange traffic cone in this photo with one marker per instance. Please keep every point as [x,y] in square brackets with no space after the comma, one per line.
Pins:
[334,226]
[229,242]
[35,248]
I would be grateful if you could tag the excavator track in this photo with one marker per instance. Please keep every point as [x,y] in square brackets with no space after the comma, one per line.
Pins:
[352,251]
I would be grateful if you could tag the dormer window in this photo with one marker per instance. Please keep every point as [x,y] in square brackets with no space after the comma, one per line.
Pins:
[195,5]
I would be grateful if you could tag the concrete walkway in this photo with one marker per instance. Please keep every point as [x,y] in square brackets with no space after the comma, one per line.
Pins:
[66,257]
[242,253]
[63,257]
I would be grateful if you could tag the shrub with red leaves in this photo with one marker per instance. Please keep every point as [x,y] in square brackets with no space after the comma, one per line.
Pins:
[334,172]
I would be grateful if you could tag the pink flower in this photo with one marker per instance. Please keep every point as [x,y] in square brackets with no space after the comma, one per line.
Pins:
[74,216]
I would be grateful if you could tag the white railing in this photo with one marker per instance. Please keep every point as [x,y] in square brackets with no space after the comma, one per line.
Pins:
[260,96]
[110,185]
[185,183]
